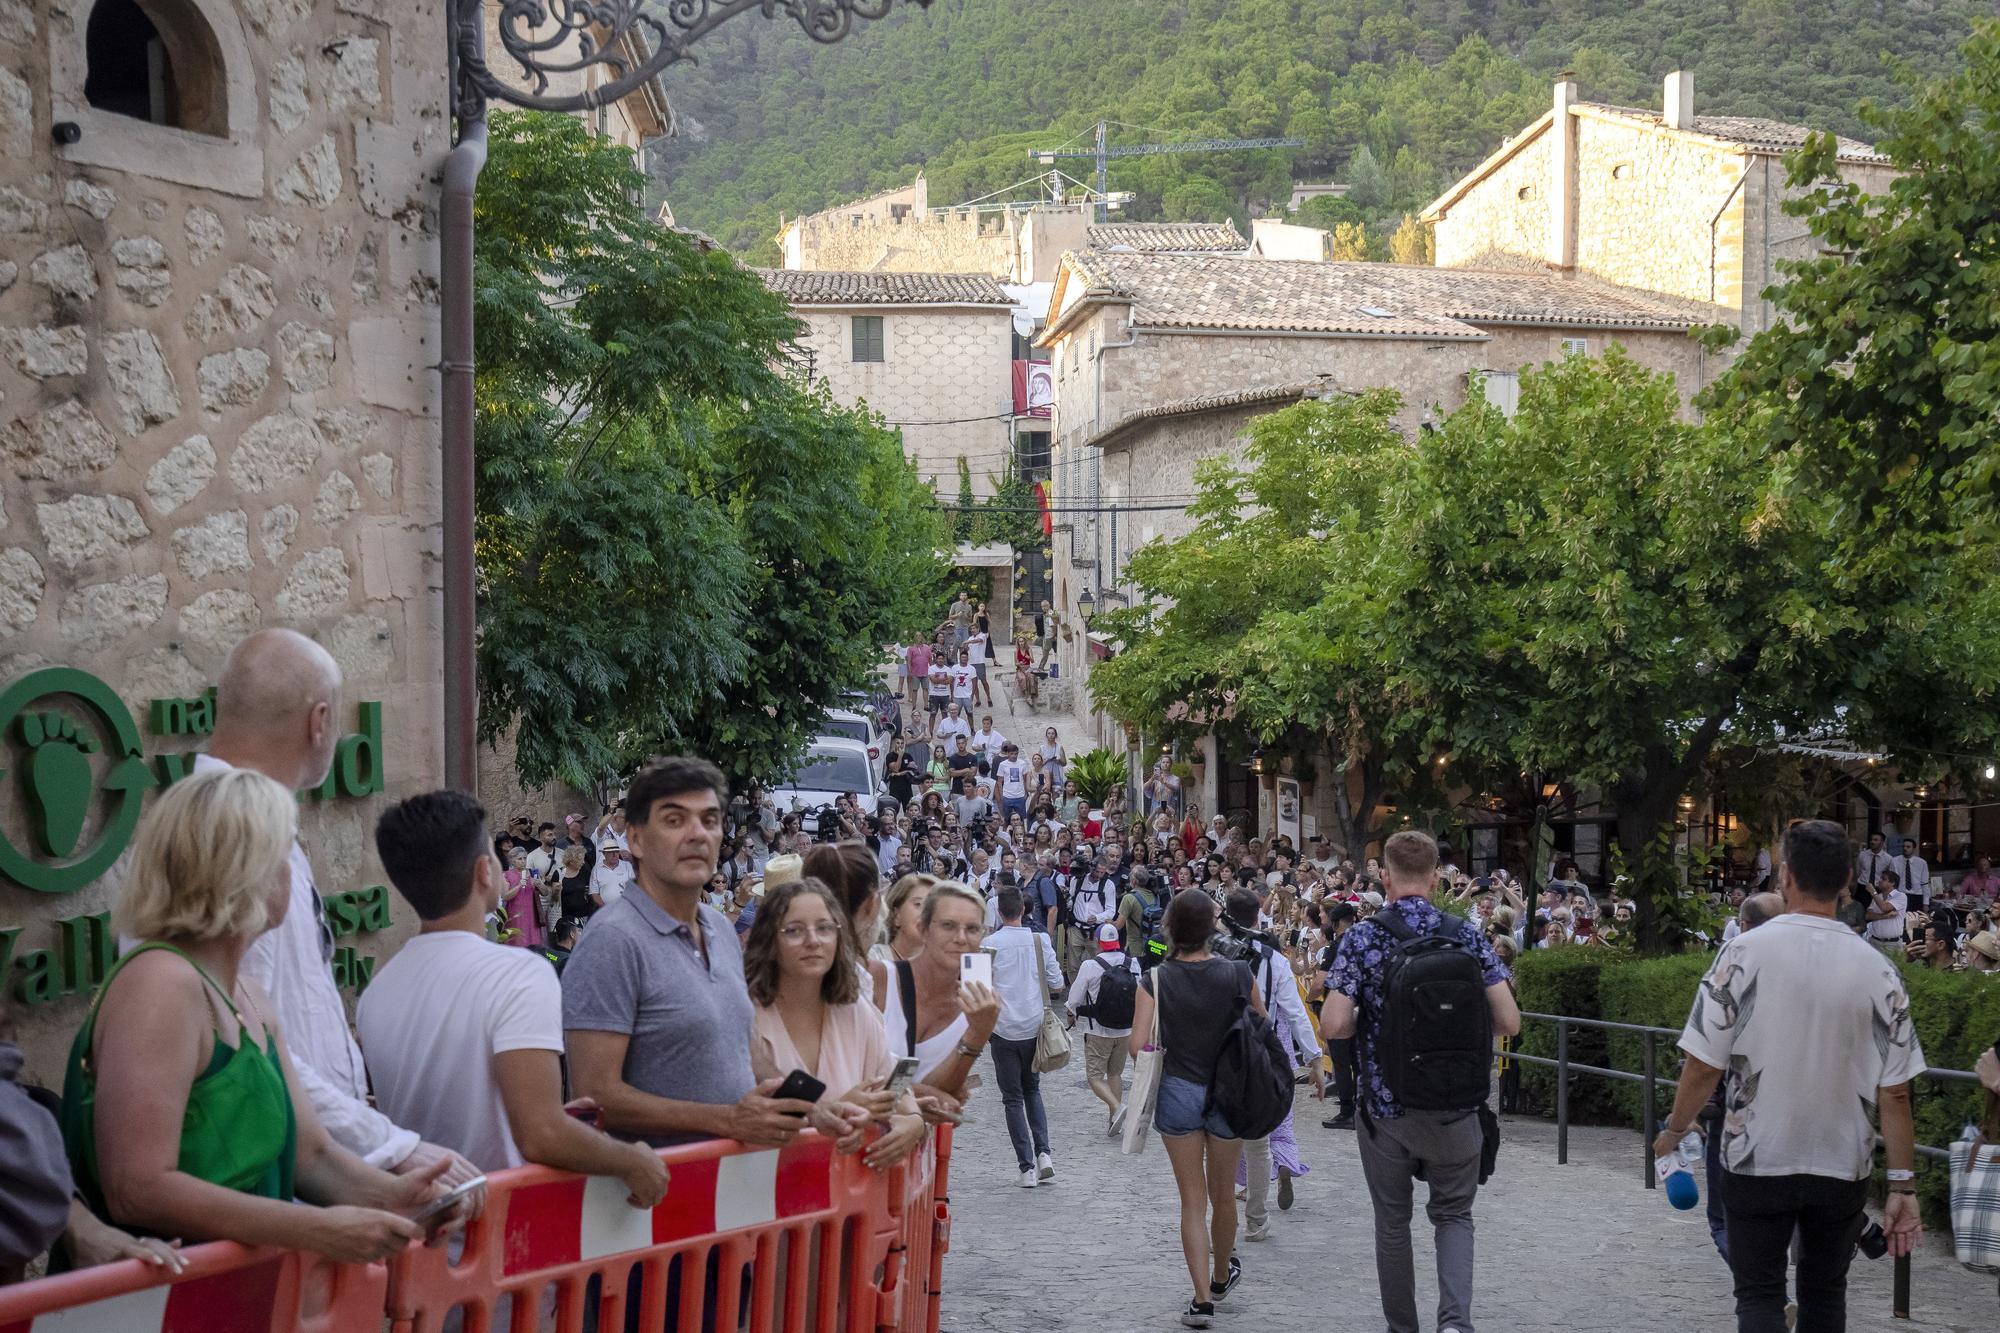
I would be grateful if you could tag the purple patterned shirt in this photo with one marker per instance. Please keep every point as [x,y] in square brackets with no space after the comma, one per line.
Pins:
[1357,974]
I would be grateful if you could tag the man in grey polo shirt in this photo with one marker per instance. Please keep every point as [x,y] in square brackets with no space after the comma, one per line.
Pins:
[655,1010]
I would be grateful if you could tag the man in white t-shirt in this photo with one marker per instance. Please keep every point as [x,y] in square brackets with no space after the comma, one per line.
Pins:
[1011,775]
[1798,1147]
[463,1037]
[963,677]
[952,724]
[612,877]
[987,740]
[976,649]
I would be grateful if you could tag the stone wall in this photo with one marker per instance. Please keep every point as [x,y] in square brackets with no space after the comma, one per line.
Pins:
[946,378]
[218,403]
[1502,222]
[941,242]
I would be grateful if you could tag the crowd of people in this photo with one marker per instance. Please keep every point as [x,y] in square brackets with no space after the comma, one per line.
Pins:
[693,963]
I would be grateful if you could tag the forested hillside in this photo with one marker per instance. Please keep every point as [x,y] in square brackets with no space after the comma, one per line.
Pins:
[1396,96]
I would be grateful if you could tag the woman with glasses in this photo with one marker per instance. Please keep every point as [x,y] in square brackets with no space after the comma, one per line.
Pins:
[945,1023]
[809,1014]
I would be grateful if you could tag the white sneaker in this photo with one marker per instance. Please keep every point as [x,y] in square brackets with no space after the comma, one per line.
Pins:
[1115,1121]
[1045,1166]
[1262,1231]
[1029,1180]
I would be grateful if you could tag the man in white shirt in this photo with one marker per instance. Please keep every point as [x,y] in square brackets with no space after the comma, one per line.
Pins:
[1104,1014]
[987,740]
[275,711]
[1872,860]
[952,724]
[1012,776]
[1916,875]
[962,679]
[542,860]
[464,1036]
[1025,971]
[1885,913]
[976,650]
[1798,1146]
[612,877]
[1093,902]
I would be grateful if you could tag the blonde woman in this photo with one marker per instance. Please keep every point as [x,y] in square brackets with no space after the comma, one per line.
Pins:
[905,919]
[931,1014]
[181,1110]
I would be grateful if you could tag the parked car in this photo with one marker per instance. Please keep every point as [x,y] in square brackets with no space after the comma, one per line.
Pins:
[858,726]
[831,767]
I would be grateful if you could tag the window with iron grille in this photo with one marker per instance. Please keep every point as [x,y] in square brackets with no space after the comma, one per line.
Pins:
[868,338]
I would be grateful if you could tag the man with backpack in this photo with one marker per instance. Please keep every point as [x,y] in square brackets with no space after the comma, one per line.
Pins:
[1139,912]
[1102,998]
[1092,902]
[1424,995]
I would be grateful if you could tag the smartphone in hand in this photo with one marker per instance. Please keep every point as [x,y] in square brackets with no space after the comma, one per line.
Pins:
[976,966]
[800,1086]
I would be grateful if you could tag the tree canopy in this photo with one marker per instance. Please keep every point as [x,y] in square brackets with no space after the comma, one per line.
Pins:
[681,546]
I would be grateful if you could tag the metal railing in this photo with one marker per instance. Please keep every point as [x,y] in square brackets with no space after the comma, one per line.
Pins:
[1651,1081]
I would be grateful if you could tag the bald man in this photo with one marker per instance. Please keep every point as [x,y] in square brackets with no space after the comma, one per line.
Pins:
[276,713]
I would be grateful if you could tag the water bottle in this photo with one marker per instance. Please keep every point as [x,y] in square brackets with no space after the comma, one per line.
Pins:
[1676,1171]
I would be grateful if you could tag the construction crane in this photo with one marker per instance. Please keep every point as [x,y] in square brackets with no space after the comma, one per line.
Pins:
[1048,156]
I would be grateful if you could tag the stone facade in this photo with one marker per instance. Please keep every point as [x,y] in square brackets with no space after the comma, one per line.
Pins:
[945,380]
[219,394]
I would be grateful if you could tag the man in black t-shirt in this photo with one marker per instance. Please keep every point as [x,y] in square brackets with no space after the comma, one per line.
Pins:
[1339,919]
[961,765]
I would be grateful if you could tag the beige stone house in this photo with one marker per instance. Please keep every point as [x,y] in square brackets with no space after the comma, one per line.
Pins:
[218,408]
[931,352]
[1669,201]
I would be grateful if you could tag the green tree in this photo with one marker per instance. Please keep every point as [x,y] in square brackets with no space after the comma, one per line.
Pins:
[679,546]
[965,517]
[1412,242]
[1350,241]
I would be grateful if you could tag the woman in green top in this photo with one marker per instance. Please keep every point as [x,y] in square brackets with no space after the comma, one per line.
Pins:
[181,1112]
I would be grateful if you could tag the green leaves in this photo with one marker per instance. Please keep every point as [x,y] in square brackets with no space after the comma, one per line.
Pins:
[679,547]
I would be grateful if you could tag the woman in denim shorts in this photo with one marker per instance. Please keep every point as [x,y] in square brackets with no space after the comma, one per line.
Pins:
[1197,994]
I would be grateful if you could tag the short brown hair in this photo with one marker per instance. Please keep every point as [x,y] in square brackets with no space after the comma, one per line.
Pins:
[842,983]
[1190,921]
[1411,854]
[850,870]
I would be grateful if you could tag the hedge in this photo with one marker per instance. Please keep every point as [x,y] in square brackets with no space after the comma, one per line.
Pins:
[1957,1016]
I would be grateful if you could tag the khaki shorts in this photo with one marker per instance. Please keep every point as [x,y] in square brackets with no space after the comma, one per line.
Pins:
[1103,1057]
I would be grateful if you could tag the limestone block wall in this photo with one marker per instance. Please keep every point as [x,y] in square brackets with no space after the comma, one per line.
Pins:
[218,388]
[1502,222]
[938,243]
[946,378]
[1659,211]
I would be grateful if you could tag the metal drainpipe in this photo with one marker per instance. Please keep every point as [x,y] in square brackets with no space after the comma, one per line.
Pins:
[461,694]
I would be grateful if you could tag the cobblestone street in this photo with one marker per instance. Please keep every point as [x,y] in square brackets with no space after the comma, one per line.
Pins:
[1582,1248]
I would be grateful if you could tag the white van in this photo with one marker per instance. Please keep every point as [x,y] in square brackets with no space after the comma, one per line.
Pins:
[831,767]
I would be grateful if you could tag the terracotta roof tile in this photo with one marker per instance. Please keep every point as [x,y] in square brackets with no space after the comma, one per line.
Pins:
[843,287]
[1168,237]
[1380,300]
[1754,132]
[1319,386]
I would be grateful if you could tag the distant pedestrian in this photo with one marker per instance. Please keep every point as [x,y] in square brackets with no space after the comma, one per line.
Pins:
[1102,998]
[1025,970]
[1420,1121]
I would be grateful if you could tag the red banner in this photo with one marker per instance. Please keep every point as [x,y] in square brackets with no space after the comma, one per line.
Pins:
[1034,388]
[1042,503]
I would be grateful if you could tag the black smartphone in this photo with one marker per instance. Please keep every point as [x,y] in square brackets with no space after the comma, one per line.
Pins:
[800,1086]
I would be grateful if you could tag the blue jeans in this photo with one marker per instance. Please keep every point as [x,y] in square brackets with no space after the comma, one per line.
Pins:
[1178,1111]
[1011,806]
[1021,1096]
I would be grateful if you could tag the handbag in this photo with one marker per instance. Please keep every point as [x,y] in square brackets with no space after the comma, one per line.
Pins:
[1146,1071]
[1975,1202]
[1052,1042]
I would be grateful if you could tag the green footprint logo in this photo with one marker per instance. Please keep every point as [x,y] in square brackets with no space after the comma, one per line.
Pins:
[59,779]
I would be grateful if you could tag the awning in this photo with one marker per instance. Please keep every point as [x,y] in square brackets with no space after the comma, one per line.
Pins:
[991,555]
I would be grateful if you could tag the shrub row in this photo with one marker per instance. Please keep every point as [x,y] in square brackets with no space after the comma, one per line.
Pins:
[1957,1016]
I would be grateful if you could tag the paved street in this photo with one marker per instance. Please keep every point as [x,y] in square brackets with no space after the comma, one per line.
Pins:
[1582,1248]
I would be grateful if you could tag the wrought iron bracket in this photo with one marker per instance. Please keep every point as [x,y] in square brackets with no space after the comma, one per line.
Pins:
[557,43]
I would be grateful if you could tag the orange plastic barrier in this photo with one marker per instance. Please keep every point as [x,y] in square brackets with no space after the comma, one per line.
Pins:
[794,1240]
[799,1238]
[226,1288]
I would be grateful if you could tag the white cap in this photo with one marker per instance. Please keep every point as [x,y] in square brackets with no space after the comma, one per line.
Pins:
[1108,934]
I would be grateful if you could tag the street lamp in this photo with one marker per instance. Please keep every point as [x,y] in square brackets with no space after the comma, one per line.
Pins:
[1086,606]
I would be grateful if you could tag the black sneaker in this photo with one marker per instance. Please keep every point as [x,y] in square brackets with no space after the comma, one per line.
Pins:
[1218,1292]
[1199,1314]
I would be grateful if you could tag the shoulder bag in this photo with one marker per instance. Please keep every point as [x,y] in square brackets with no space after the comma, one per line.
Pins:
[1052,1042]
[1975,1202]
[1146,1070]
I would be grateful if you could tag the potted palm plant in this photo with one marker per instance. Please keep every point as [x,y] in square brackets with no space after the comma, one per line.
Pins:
[1097,773]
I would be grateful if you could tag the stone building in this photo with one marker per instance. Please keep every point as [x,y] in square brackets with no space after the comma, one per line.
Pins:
[218,411]
[1669,201]
[1161,359]
[931,352]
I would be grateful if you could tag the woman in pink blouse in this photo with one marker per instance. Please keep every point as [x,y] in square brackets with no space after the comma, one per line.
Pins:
[802,970]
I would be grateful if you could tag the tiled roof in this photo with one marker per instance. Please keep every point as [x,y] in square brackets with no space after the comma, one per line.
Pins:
[1168,237]
[1753,132]
[1319,386]
[841,287]
[1367,300]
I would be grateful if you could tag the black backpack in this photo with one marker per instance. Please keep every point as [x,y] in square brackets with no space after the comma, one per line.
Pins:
[1252,1084]
[1435,1031]
[1117,996]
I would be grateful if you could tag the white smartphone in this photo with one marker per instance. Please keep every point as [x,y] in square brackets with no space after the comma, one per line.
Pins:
[904,1074]
[976,966]
[434,1211]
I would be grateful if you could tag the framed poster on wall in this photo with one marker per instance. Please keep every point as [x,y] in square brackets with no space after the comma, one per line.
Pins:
[1290,813]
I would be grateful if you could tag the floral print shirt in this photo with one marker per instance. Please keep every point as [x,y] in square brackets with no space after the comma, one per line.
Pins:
[1357,974]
